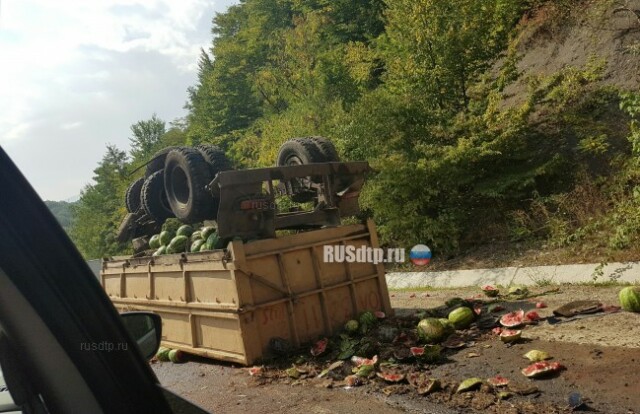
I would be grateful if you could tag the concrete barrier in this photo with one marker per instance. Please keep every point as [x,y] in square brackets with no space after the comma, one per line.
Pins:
[536,275]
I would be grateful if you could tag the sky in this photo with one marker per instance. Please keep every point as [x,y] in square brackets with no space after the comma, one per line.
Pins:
[75,75]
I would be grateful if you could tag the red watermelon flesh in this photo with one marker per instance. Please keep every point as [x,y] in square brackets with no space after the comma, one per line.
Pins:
[512,319]
[532,316]
[539,369]
[498,381]
[417,351]
[360,361]
[391,377]
[319,347]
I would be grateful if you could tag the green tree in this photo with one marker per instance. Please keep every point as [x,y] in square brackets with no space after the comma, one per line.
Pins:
[146,136]
[100,208]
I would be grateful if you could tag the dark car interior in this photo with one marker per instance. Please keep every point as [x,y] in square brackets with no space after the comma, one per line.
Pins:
[63,346]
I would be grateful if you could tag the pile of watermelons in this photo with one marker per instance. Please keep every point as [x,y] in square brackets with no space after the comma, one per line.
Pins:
[185,239]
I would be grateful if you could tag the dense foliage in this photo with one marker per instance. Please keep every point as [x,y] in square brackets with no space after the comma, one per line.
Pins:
[417,88]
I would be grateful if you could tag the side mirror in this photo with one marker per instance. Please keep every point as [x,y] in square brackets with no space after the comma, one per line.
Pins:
[146,329]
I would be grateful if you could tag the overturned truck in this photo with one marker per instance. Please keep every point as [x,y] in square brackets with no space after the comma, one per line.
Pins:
[256,294]
[199,184]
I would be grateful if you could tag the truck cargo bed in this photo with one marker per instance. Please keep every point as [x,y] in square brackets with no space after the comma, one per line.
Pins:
[229,304]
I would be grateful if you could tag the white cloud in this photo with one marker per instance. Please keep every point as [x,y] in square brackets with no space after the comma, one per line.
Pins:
[84,71]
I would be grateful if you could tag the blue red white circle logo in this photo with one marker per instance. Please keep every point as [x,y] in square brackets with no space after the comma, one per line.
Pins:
[420,255]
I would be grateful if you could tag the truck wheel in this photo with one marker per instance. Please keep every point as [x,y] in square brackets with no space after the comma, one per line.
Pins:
[300,151]
[326,148]
[215,157]
[132,196]
[157,161]
[154,198]
[186,173]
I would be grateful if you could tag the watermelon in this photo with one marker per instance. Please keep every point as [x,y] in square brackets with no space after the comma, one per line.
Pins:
[461,317]
[212,241]
[469,384]
[510,335]
[351,326]
[160,251]
[449,328]
[431,330]
[196,235]
[185,230]
[360,361]
[498,381]
[165,238]
[630,298]
[535,356]
[203,248]
[512,319]
[196,245]
[367,318]
[154,241]
[391,377]
[428,386]
[429,353]
[178,244]
[205,232]
[163,354]
[319,347]
[532,316]
[490,291]
[176,356]
[364,370]
[540,369]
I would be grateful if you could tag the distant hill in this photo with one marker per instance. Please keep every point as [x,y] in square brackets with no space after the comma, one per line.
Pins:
[62,210]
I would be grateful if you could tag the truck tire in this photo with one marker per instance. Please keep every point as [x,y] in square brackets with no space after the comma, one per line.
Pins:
[132,196]
[300,151]
[326,148]
[215,157]
[186,173]
[157,161]
[154,198]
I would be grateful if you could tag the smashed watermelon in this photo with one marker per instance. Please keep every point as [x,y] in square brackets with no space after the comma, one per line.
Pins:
[498,381]
[490,291]
[319,347]
[510,335]
[512,319]
[540,369]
